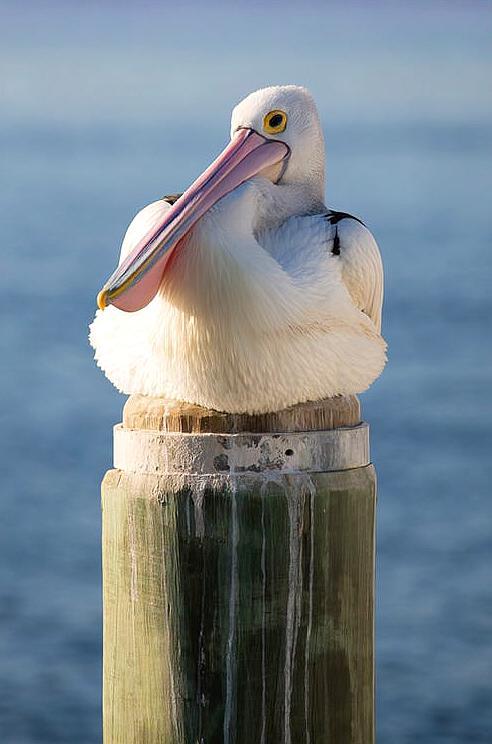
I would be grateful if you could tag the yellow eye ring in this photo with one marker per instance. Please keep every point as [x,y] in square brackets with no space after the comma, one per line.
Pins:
[275,122]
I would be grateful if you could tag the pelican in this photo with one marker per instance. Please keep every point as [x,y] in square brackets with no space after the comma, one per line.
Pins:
[246,293]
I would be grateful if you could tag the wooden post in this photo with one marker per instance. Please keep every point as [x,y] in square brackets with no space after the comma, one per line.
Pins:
[238,571]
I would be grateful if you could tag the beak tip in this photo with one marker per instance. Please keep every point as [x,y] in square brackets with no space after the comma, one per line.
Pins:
[102,299]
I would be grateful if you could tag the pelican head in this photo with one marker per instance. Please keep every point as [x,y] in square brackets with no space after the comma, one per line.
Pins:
[276,134]
[288,114]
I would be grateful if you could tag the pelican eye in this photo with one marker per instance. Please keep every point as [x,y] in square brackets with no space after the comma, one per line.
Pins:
[275,122]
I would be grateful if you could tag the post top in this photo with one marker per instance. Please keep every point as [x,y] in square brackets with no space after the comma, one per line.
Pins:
[171,416]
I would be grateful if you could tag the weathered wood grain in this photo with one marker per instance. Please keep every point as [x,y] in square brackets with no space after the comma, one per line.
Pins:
[238,607]
[160,414]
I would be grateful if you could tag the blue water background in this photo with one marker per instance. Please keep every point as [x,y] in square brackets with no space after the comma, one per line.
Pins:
[105,107]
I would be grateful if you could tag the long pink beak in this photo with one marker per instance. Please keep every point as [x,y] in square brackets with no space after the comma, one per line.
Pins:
[136,280]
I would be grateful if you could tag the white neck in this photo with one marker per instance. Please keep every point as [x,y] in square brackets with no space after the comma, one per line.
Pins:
[222,276]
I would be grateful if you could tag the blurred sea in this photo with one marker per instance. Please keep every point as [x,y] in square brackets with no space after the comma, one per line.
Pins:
[105,107]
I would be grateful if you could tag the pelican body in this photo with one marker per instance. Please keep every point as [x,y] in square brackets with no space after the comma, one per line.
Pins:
[246,294]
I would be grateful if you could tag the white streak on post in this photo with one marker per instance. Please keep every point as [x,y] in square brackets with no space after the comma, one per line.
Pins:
[293,604]
[197,497]
[201,658]
[312,494]
[300,501]
[231,660]
[133,558]
[169,656]
[134,570]
[264,487]
[188,514]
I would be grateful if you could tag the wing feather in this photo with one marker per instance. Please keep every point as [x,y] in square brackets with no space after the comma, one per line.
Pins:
[145,221]
[362,268]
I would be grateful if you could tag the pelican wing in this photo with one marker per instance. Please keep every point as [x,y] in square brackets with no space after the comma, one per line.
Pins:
[362,268]
[145,221]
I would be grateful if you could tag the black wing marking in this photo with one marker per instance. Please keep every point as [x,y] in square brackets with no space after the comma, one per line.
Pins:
[360,262]
[171,198]
[334,218]
[336,243]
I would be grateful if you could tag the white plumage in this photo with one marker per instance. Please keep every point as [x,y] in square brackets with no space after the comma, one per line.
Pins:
[271,299]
